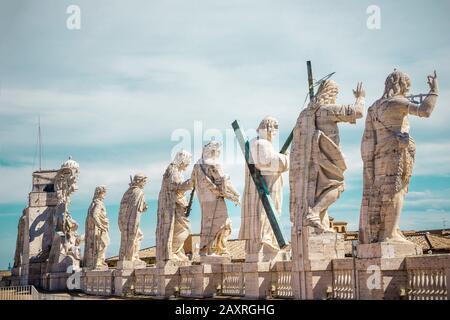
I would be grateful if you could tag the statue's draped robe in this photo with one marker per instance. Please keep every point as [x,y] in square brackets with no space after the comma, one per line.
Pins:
[255,226]
[210,183]
[131,207]
[317,163]
[20,240]
[173,227]
[96,235]
[388,164]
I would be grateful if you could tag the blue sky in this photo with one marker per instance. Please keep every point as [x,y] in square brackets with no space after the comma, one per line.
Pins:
[117,93]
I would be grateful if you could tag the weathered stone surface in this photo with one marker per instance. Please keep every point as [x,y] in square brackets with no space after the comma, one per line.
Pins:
[65,248]
[132,206]
[261,244]
[316,179]
[173,226]
[96,232]
[388,154]
[316,174]
[214,259]
[213,187]
[388,250]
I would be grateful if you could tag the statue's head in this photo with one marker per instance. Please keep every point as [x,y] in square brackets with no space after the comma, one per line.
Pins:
[212,149]
[327,93]
[182,160]
[268,128]
[100,192]
[397,83]
[66,179]
[139,180]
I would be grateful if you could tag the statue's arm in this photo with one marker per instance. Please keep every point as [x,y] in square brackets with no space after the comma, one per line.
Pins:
[186,185]
[349,112]
[177,184]
[425,109]
[226,188]
[368,151]
[267,159]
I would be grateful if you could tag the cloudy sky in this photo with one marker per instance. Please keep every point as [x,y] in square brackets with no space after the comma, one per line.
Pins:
[142,79]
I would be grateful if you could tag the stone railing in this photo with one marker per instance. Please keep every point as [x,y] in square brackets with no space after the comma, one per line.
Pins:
[428,277]
[146,282]
[99,282]
[344,286]
[233,280]
[282,280]
[186,282]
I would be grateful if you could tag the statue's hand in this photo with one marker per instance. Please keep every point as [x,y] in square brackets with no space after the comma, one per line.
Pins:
[433,83]
[359,92]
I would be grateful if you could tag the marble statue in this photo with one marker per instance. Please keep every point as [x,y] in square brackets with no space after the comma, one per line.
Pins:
[18,256]
[66,241]
[255,226]
[316,175]
[213,187]
[388,154]
[132,206]
[96,232]
[173,226]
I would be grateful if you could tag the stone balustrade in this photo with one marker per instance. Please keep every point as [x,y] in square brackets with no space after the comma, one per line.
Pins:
[428,277]
[98,282]
[344,284]
[146,281]
[414,277]
[233,283]
[282,280]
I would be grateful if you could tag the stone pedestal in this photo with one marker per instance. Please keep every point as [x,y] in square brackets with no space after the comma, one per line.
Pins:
[268,256]
[257,278]
[124,276]
[169,277]
[387,250]
[312,255]
[131,264]
[213,259]
[381,270]
[200,281]
[381,278]
[58,281]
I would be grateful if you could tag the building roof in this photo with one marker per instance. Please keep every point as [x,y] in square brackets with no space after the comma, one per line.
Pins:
[235,246]
[426,240]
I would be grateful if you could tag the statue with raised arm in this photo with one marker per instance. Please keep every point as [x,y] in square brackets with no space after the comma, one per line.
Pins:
[173,226]
[65,248]
[132,206]
[261,244]
[388,154]
[96,232]
[316,174]
[213,187]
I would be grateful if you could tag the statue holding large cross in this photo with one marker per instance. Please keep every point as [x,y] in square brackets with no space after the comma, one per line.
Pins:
[262,243]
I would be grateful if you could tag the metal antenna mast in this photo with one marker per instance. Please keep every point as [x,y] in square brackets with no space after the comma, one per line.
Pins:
[40,143]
